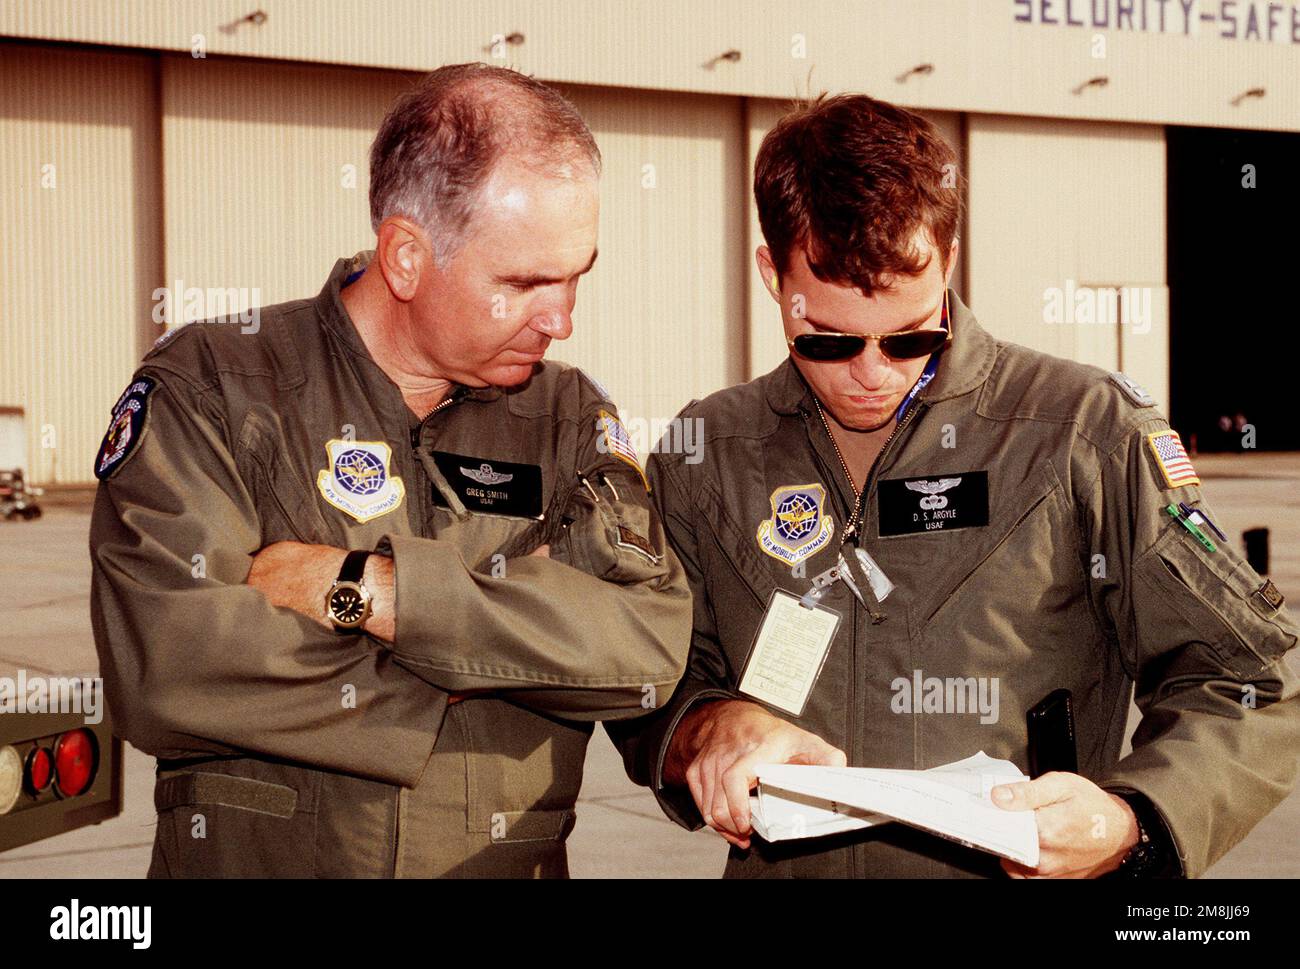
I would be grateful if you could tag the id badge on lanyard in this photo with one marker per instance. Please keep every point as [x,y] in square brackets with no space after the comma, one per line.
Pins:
[789,651]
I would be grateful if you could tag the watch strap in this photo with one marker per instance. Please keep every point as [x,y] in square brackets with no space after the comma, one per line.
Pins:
[354,566]
[1155,854]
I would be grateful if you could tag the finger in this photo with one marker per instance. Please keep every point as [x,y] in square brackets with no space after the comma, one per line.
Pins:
[694,785]
[813,750]
[1031,795]
[707,781]
[742,843]
[722,816]
[1017,870]
[737,782]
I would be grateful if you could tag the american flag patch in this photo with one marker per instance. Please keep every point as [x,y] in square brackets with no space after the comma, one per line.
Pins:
[1172,459]
[619,444]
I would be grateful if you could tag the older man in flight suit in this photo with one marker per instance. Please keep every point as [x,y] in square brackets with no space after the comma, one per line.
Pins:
[424,710]
[1019,505]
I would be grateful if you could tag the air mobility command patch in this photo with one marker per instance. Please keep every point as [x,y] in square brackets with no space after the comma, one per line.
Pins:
[357,480]
[798,527]
[125,428]
[1174,464]
[614,440]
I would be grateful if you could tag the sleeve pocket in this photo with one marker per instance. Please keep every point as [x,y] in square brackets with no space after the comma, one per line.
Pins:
[612,532]
[1221,597]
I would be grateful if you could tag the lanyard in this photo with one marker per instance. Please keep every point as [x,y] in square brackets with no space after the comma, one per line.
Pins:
[931,368]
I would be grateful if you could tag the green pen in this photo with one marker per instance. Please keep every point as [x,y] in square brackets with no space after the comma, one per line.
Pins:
[1199,535]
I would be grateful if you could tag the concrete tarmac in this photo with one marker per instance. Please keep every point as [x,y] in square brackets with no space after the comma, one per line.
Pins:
[621,831]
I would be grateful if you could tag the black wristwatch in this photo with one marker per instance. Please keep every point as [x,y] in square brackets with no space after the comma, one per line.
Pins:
[1154,854]
[348,601]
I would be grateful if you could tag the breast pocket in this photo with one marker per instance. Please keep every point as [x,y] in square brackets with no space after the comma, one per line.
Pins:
[1020,570]
[739,580]
[285,506]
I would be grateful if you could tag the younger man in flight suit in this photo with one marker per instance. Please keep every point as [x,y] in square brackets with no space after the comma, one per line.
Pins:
[1018,505]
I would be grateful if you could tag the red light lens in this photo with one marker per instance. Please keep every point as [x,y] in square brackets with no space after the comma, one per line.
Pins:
[39,770]
[74,762]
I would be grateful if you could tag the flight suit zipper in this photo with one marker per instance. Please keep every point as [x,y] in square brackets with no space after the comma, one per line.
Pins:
[859,513]
[426,515]
[417,432]
[853,529]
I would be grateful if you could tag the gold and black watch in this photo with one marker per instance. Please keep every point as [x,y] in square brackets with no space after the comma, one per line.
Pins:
[348,601]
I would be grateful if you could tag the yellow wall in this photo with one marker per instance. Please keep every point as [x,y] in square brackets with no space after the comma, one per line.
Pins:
[80,243]
[1058,201]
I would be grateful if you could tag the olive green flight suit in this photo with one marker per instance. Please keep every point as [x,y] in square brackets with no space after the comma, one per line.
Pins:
[1078,579]
[287,749]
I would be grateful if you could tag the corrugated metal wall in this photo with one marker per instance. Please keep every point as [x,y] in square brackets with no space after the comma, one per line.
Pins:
[265,172]
[1054,202]
[81,242]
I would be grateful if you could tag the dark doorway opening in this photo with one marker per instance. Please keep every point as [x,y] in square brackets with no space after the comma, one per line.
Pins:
[1232,287]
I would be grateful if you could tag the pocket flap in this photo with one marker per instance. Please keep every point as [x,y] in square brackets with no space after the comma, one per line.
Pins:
[245,793]
[511,826]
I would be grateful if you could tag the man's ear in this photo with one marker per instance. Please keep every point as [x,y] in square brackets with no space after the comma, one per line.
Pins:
[402,257]
[767,272]
[952,259]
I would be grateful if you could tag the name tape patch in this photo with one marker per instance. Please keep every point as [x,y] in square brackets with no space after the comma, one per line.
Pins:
[942,502]
[489,486]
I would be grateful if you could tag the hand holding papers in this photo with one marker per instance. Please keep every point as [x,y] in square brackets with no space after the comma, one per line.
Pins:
[796,801]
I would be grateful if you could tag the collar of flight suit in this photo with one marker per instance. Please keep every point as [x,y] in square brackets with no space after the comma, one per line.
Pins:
[334,315]
[964,366]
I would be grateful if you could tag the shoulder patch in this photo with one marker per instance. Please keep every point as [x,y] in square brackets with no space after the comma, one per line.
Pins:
[1174,464]
[596,384]
[1132,389]
[614,440]
[166,338]
[125,428]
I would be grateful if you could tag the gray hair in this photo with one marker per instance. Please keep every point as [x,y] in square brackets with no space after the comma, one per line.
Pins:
[441,140]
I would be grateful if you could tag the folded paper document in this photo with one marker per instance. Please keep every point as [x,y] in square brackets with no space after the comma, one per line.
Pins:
[798,801]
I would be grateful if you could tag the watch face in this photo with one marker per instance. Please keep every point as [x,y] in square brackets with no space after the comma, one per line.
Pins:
[347,606]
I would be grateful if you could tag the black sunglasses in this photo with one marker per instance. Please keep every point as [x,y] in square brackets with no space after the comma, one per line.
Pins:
[907,345]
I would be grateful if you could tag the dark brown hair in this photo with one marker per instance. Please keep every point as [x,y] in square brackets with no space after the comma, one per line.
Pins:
[440,140]
[851,179]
